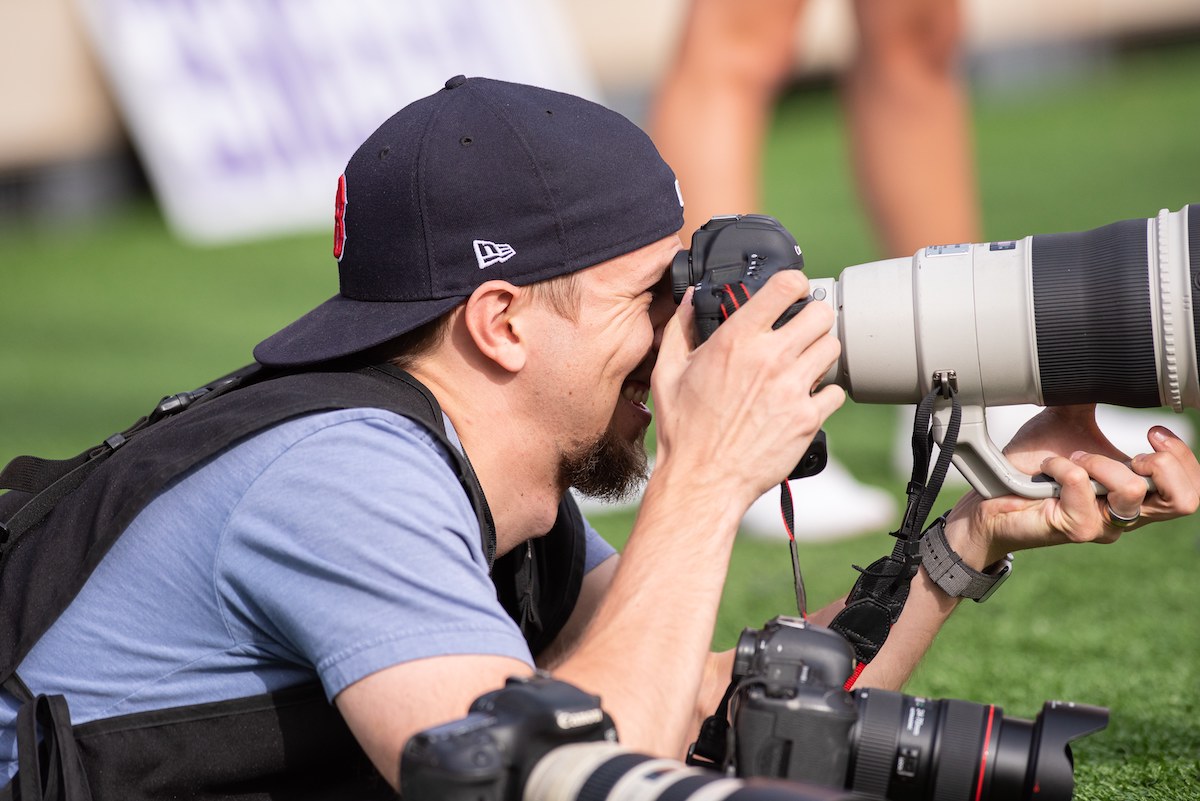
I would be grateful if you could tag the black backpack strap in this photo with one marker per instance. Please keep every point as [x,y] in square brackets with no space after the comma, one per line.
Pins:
[881,591]
[33,474]
[538,584]
[16,687]
[51,770]
[424,407]
[40,484]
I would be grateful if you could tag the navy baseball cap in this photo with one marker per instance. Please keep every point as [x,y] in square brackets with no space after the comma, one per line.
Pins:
[482,180]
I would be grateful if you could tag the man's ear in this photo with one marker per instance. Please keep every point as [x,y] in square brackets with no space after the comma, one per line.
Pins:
[488,317]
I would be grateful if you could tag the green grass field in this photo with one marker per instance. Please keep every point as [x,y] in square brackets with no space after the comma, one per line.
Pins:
[97,323]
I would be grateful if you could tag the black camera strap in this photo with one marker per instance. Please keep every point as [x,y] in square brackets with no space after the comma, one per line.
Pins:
[713,748]
[732,298]
[878,597]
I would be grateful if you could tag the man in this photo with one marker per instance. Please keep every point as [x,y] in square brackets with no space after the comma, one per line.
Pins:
[508,248]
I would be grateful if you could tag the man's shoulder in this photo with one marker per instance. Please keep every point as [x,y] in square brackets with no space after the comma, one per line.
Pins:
[378,432]
[336,454]
[358,421]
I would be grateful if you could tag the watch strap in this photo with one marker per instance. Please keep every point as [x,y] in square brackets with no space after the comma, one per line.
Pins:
[947,570]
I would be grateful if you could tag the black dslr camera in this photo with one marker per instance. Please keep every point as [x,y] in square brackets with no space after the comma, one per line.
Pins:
[791,718]
[730,259]
[489,754]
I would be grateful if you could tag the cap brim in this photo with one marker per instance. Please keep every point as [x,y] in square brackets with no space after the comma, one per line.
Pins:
[342,327]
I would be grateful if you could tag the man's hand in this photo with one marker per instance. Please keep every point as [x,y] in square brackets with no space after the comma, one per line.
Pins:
[740,409]
[1066,444]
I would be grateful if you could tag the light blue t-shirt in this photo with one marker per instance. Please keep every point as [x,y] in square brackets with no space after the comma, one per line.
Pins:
[328,547]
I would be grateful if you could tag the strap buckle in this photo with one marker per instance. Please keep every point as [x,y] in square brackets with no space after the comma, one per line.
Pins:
[174,404]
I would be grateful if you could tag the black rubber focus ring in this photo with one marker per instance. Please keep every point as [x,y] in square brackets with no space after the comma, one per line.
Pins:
[1095,336]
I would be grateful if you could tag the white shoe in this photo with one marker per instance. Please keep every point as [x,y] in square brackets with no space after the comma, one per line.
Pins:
[830,505]
[1126,428]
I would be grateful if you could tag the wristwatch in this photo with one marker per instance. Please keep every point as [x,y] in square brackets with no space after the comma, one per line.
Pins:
[956,579]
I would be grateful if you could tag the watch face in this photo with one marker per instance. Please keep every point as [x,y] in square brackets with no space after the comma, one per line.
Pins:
[998,578]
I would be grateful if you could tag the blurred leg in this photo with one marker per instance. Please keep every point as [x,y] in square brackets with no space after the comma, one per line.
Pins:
[713,108]
[909,125]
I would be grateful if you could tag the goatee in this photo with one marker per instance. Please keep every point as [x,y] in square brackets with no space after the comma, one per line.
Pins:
[610,468]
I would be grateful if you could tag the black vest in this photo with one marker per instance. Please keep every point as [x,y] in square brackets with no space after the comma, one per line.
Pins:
[290,744]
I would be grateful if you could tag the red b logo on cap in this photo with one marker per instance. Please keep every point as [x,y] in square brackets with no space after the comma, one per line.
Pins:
[339,219]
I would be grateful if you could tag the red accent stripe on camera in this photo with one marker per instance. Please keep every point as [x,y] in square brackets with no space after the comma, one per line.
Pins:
[987,739]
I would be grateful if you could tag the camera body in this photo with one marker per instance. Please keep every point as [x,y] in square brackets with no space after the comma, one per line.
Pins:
[730,259]
[790,703]
[488,755]
[736,251]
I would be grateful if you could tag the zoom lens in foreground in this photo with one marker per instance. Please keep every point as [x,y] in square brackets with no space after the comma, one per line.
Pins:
[609,772]
[918,748]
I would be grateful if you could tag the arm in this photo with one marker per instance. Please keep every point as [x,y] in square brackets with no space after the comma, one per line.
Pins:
[389,602]
[384,712]
[386,708]
[974,523]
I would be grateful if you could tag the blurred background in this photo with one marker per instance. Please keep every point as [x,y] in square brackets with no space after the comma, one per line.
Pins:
[167,172]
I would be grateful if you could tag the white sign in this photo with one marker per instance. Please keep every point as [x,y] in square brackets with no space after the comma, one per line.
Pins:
[245,112]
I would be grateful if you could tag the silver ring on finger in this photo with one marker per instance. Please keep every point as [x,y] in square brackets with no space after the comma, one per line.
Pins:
[1119,521]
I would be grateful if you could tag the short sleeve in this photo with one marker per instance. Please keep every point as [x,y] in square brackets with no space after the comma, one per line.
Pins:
[598,548]
[357,549]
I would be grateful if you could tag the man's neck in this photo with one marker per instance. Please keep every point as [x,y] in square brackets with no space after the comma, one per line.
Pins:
[518,473]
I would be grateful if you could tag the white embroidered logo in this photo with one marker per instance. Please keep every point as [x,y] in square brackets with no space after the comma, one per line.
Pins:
[489,253]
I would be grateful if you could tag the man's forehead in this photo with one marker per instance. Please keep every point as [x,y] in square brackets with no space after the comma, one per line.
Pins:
[645,265]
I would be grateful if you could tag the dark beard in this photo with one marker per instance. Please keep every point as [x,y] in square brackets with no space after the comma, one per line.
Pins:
[610,468]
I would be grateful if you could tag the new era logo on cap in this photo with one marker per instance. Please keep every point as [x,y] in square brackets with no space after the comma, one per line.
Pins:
[488,253]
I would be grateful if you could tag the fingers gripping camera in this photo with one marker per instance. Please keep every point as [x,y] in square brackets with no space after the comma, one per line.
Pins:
[730,259]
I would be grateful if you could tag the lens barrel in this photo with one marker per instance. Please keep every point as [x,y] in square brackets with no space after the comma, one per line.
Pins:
[609,772]
[909,748]
[1100,316]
